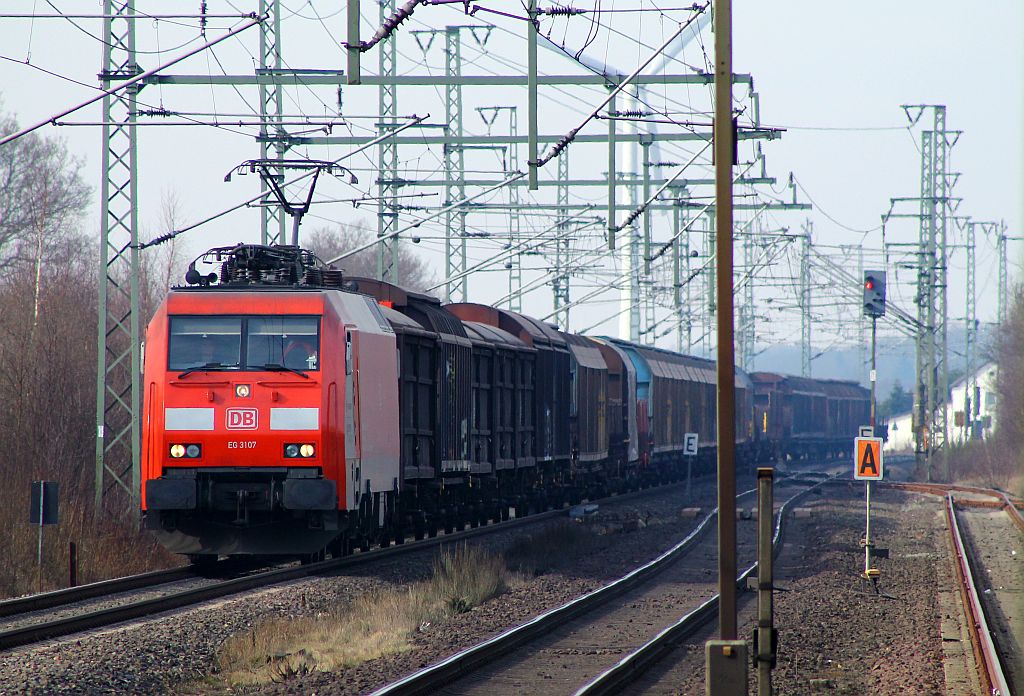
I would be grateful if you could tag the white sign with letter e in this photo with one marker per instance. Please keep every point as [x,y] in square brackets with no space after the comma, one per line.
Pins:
[690,445]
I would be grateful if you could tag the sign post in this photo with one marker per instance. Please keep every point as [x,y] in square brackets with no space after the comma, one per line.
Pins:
[867,467]
[690,442]
[42,510]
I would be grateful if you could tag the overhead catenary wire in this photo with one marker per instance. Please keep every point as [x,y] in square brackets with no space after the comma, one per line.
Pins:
[571,135]
[135,80]
[174,233]
[442,211]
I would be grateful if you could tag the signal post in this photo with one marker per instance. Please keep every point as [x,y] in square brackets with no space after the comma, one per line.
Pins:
[867,451]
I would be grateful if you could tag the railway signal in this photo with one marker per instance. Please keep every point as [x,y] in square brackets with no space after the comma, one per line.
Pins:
[874,294]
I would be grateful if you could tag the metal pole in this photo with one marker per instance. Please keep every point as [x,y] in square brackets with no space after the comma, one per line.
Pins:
[805,302]
[387,153]
[867,529]
[118,369]
[677,288]
[611,174]
[354,76]
[867,487]
[873,375]
[723,135]
[272,217]
[765,581]
[1002,309]
[531,94]
[42,496]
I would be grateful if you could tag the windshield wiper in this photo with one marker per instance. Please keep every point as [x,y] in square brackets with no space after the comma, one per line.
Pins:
[278,367]
[208,367]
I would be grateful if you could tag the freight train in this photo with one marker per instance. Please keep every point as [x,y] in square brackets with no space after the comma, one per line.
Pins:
[289,411]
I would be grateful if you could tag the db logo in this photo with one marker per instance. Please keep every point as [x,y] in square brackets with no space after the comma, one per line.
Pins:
[242,418]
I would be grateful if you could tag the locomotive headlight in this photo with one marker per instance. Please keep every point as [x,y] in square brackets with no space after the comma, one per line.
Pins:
[242,391]
[177,451]
[297,451]
[193,451]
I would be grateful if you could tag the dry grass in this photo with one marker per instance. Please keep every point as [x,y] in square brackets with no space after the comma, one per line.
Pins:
[989,463]
[379,623]
[385,622]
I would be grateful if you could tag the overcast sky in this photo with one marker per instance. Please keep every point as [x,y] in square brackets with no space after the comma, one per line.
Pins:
[832,75]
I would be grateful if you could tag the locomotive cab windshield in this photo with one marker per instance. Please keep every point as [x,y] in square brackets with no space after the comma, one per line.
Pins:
[249,343]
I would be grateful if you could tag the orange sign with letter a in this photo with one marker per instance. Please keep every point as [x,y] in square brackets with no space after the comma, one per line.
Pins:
[867,459]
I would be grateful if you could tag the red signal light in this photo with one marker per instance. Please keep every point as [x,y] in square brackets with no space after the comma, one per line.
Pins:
[869,285]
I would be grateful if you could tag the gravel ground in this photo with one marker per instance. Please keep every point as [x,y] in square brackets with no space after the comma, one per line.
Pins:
[175,652]
[637,531]
[836,635]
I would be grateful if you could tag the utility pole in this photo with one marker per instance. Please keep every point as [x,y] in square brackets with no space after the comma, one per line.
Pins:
[725,368]
[647,286]
[863,337]
[932,389]
[515,270]
[805,300]
[1003,307]
[678,249]
[271,96]
[454,170]
[710,246]
[118,366]
[747,329]
[560,277]
[971,334]
[387,152]
[514,264]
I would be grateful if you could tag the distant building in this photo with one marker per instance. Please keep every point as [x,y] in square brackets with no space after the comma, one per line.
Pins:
[901,433]
[970,412]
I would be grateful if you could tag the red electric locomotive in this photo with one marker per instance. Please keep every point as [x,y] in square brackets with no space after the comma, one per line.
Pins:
[265,425]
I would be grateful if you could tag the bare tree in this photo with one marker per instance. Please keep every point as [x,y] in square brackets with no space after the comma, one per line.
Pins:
[41,192]
[328,242]
[164,265]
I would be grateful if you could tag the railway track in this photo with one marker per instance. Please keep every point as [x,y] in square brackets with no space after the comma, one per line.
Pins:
[71,595]
[996,654]
[24,626]
[984,594]
[573,631]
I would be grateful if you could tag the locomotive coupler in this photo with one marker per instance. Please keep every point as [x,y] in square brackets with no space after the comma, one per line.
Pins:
[241,506]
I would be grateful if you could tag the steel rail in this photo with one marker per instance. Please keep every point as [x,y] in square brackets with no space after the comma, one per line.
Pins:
[981,636]
[626,671]
[105,617]
[433,677]
[69,595]
[1013,511]
[56,628]
[1002,500]
[943,488]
